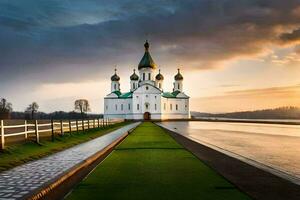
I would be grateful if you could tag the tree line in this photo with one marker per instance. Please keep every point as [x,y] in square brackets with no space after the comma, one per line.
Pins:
[81,109]
[288,112]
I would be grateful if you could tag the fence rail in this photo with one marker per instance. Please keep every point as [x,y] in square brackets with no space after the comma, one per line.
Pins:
[53,127]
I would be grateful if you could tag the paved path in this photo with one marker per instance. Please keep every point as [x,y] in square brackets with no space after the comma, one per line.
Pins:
[18,182]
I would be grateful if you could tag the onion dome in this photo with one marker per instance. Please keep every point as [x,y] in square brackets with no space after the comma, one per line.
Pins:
[159,76]
[147,61]
[134,76]
[178,76]
[115,77]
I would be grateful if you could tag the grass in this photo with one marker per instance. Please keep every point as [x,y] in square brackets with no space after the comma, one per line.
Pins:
[19,154]
[149,164]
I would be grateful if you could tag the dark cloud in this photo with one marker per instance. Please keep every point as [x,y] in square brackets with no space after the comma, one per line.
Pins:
[59,40]
[294,36]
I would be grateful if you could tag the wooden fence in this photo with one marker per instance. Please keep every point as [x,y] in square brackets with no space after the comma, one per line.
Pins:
[37,128]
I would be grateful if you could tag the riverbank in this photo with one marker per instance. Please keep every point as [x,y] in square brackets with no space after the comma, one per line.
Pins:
[150,164]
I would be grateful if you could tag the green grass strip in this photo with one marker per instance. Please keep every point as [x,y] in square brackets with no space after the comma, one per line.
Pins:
[21,153]
[149,164]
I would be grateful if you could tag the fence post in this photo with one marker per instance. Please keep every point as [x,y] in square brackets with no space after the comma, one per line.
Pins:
[77,125]
[37,132]
[2,135]
[52,130]
[61,127]
[94,124]
[25,129]
[88,124]
[82,124]
[98,123]
[70,126]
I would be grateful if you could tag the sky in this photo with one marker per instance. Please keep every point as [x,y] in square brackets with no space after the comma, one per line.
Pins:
[234,55]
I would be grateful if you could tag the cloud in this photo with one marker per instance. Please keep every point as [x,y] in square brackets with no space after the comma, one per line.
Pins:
[57,40]
[251,99]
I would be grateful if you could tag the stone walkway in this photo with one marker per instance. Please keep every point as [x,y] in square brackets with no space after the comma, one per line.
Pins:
[22,180]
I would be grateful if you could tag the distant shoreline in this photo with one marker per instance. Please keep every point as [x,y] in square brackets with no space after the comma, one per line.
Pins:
[259,121]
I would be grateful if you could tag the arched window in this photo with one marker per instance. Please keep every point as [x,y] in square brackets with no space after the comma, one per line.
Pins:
[170,106]
[178,86]
[165,106]
[155,106]
[176,106]
[133,85]
[115,86]
[147,105]
[116,107]
[129,106]
[159,85]
[121,106]
[149,76]
[143,76]
[137,106]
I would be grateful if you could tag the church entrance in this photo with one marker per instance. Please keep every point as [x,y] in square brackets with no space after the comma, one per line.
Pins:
[147,116]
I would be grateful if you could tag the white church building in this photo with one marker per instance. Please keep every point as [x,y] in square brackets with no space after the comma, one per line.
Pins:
[146,98]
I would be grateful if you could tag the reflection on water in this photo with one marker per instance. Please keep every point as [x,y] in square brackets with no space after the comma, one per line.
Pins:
[274,145]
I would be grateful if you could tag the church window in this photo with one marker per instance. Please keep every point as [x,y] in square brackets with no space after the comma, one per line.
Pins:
[133,86]
[159,85]
[121,106]
[106,107]
[147,88]
[129,106]
[170,106]
[147,105]
[165,106]
[116,107]
[155,106]
[149,76]
[185,107]
[176,106]
[147,95]
[115,86]
[138,106]
[155,97]
[143,76]
[178,87]
[137,97]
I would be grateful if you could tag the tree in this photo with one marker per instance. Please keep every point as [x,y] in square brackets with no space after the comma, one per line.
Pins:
[5,109]
[5,106]
[83,106]
[32,109]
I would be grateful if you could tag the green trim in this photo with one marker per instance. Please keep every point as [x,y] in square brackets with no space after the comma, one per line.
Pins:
[123,95]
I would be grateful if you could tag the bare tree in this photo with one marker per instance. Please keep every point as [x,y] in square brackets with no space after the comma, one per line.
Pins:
[82,105]
[32,109]
[5,106]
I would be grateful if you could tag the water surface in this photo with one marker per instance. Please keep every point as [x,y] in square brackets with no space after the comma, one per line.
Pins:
[274,145]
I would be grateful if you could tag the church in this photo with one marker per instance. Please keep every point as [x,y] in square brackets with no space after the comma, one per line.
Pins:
[147,99]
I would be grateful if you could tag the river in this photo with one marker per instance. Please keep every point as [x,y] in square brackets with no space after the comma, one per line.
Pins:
[272,146]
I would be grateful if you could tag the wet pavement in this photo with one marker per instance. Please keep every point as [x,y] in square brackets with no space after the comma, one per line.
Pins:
[271,146]
[22,180]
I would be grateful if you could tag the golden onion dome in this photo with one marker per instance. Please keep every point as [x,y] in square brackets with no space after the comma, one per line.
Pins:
[159,76]
[115,77]
[134,76]
[178,76]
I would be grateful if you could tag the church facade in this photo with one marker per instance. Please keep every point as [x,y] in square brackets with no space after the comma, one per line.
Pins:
[146,98]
